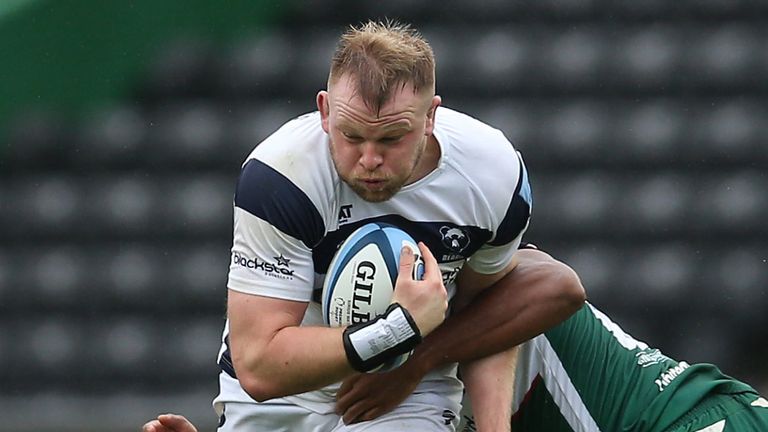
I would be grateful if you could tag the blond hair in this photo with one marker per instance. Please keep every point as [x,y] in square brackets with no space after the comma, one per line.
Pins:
[382,56]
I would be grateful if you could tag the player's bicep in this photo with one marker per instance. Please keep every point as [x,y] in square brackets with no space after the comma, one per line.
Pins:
[254,321]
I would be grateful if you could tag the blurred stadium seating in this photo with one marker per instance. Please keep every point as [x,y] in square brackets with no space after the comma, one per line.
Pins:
[642,124]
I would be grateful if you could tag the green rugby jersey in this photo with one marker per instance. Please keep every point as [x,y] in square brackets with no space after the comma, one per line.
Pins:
[587,374]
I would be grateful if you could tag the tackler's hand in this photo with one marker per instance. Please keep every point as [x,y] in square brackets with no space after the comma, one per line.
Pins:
[169,423]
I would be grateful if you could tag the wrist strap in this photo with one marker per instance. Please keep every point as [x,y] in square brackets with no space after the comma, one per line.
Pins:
[372,343]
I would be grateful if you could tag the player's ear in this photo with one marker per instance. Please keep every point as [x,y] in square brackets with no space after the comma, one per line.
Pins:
[324,108]
[434,103]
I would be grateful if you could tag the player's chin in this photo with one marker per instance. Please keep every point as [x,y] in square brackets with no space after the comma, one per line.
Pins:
[374,193]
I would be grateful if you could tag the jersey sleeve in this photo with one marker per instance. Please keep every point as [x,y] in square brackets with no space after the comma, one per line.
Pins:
[275,226]
[495,255]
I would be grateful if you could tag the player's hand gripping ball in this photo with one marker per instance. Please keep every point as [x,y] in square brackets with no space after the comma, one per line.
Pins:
[361,278]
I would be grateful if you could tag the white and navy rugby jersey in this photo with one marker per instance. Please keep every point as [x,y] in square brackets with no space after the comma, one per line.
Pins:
[292,210]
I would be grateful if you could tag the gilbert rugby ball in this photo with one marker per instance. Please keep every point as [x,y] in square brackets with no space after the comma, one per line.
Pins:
[361,278]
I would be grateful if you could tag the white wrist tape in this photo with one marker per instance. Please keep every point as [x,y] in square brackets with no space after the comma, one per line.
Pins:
[372,343]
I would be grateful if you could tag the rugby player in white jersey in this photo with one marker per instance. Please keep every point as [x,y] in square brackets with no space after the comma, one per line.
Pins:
[379,148]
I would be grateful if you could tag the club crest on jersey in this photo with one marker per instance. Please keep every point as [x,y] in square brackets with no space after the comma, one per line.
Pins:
[455,239]
[650,357]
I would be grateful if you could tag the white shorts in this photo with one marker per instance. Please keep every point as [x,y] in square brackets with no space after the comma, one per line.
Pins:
[420,412]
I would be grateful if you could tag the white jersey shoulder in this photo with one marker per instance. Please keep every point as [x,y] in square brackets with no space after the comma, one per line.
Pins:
[299,150]
[284,200]
[496,183]
[483,156]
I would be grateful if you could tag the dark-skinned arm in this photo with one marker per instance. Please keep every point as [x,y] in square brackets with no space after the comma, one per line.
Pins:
[539,293]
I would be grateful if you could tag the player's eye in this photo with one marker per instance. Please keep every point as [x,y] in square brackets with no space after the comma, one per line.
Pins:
[391,139]
[351,137]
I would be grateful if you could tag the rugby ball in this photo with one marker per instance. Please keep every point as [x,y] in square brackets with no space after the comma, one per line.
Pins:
[361,277]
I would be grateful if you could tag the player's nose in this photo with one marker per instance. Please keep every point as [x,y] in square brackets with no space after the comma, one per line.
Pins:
[370,157]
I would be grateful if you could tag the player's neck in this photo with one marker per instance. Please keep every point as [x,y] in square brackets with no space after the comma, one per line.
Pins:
[429,161]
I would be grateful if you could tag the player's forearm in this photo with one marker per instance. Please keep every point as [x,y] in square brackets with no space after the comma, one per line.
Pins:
[296,360]
[489,382]
[537,295]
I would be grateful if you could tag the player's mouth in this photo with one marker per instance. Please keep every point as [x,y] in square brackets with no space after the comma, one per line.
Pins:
[373,183]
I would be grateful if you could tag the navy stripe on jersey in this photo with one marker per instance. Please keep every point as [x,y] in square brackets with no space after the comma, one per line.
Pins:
[518,212]
[272,197]
[225,362]
[436,235]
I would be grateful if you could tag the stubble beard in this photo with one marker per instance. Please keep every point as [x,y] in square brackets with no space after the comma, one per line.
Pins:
[392,185]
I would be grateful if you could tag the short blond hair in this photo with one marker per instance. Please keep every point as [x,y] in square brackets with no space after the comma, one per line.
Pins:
[382,56]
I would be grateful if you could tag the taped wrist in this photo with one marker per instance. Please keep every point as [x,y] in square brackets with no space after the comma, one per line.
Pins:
[381,339]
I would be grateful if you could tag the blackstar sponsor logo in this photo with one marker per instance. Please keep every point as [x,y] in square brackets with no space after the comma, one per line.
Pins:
[280,270]
[364,274]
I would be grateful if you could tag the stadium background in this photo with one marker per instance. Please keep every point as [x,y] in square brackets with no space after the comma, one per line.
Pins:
[123,124]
